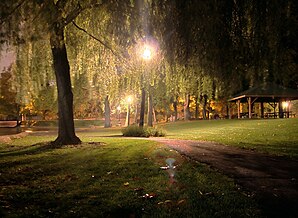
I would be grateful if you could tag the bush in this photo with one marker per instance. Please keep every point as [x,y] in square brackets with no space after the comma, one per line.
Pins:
[152,131]
[136,131]
[133,130]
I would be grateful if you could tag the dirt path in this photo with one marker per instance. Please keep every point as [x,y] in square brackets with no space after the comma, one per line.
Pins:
[272,180]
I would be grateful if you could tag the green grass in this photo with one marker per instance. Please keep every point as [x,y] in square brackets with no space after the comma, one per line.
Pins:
[111,179]
[274,136]
[78,123]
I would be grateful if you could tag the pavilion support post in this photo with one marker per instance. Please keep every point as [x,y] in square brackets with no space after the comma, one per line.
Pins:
[274,106]
[249,107]
[238,108]
[288,111]
[262,109]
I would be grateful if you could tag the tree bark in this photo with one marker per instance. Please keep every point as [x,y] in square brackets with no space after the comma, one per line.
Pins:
[175,104]
[66,131]
[205,107]
[150,110]
[262,109]
[186,108]
[197,107]
[136,112]
[107,113]
[154,115]
[142,111]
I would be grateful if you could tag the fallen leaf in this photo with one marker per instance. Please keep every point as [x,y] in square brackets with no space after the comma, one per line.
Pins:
[209,193]
[149,196]
[181,202]
[168,201]
[138,189]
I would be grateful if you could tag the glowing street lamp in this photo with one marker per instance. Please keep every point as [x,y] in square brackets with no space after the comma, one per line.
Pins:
[147,54]
[285,104]
[129,99]
[146,50]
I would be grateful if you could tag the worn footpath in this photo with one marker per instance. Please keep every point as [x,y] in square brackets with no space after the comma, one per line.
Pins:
[273,180]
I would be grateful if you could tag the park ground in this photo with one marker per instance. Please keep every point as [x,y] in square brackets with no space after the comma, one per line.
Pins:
[112,176]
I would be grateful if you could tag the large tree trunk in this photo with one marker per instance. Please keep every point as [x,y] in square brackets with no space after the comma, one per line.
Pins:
[175,104]
[107,113]
[186,108]
[136,112]
[150,110]
[197,107]
[66,131]
[205,107]
[142,111]
[280,110]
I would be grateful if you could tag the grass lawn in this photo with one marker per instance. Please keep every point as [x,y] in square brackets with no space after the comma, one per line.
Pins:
[122,177]
[116,178]
[78,123]
[274,136]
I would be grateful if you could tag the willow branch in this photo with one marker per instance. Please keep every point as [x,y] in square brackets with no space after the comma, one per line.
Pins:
[97,39]
[12,11]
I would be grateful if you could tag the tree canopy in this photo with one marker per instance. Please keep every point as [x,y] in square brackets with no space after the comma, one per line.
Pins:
[207,51]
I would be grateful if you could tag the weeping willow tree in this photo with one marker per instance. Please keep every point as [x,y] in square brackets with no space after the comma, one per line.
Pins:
[34,81]
[210,48]
[48,20]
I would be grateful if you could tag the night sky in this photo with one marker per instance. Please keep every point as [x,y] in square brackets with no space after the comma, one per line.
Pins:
[6,59]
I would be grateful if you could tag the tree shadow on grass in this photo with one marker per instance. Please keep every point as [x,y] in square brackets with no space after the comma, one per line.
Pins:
[40,148]
[28,150]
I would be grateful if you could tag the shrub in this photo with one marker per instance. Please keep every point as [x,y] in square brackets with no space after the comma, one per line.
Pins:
[155,132]
[133,130]
[136,131]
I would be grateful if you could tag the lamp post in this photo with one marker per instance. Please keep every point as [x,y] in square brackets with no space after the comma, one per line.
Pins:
[129,100]
[119,115]
[146,55]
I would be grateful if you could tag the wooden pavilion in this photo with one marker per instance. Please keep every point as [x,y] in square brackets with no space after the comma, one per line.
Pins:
[269,93]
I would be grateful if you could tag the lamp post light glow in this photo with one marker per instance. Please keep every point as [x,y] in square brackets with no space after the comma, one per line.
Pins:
[146,50]
[147,54]
[285,104]
[129,99]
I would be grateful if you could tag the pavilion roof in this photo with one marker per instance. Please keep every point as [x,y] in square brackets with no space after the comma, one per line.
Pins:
[267,92]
